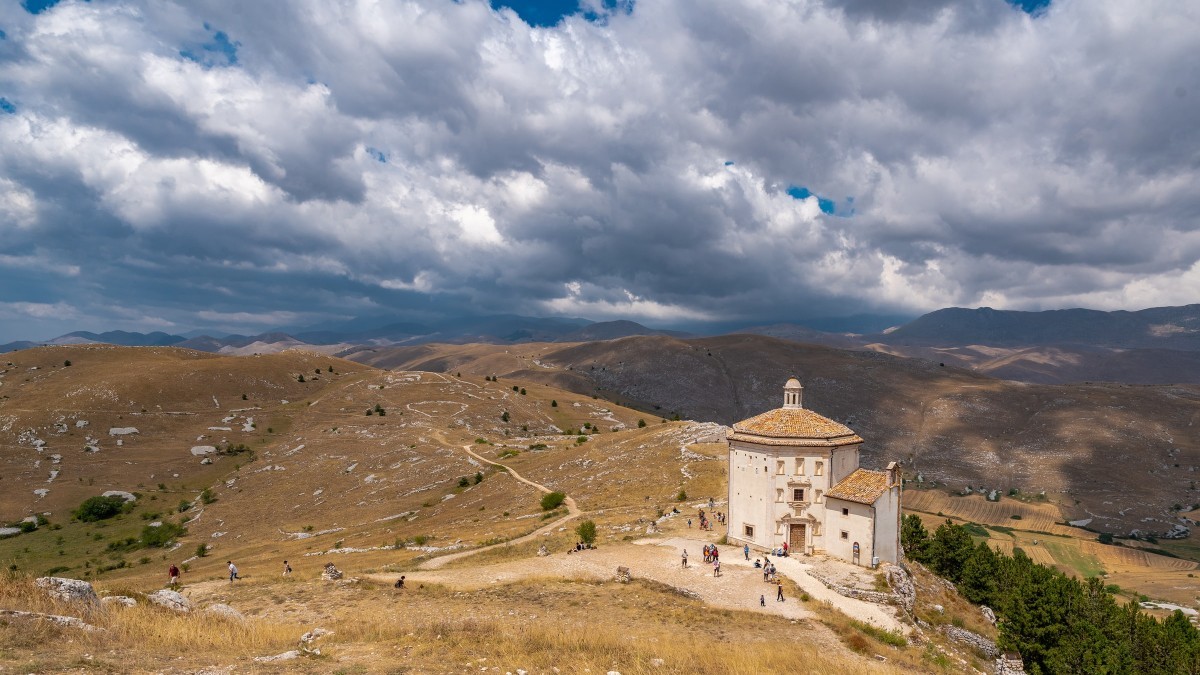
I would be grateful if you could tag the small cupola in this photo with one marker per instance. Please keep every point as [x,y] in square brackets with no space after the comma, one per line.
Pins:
[793,394]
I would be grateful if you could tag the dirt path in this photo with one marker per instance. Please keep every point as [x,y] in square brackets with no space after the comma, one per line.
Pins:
[740,585]
[572,513]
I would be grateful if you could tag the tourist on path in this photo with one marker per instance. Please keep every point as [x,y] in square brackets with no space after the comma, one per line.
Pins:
[779,595]
[173,574]
[716,568]
[685,557]
[287,569]
[762,601]
[233,572]
[746,550]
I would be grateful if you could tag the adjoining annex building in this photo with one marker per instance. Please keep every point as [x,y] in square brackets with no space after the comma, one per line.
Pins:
[794,477]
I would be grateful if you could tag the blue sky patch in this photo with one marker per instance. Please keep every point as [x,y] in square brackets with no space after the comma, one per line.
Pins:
[219,51]
[37,6]
[1031,7]
[3,35]
[377,155]
[801,192]
[546,13]
[7,106]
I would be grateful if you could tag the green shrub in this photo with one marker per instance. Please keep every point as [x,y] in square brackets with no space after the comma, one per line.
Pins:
[586,532]
[163,535]
[201,550]
[682,496]
[552,500]
[463,482]
[641,424]
[478,477]
[184,505]
[99,508]
[207,496]
[553,403]
[420,539]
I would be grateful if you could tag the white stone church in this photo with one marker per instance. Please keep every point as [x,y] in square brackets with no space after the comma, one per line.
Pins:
[794,477]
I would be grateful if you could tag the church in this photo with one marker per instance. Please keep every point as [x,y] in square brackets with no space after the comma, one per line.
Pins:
[794,477]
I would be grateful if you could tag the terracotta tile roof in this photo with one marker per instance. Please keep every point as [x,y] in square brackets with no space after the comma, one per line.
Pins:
[793,426]
[863,487]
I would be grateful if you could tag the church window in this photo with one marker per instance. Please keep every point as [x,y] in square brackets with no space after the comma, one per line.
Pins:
[748,530]
[819,470]
[797,494]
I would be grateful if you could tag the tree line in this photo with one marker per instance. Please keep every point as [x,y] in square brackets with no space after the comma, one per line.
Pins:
[1058,623]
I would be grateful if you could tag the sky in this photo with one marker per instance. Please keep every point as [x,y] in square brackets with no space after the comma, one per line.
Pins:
[237,166]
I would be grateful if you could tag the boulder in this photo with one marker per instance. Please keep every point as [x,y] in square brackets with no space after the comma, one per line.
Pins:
[623,575]
[543,551]
[127,496]
[172,600]
[69,590]
[118,601]
[224,610]
[988,614]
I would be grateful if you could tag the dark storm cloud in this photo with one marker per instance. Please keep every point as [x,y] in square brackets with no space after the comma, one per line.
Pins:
[172,165]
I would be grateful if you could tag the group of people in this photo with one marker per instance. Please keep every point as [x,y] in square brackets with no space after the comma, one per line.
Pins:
[173,573]
[711,554]
[580,546]
[706,522]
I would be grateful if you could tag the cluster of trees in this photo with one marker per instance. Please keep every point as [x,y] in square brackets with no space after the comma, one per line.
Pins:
[1058,623]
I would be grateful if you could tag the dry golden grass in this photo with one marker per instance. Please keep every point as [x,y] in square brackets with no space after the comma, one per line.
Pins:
[536,625]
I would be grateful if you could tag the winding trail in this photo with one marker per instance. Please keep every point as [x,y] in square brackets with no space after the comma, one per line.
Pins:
[572,513]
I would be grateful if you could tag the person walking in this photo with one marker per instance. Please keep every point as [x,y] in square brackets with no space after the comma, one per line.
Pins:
[779,592]
[287,569]
[746,550]
[689,523]
[762,601]
[233,572]
[173,574]
[685,557]
[716,568]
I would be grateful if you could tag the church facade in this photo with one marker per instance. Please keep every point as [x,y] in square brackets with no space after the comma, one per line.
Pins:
[794,477]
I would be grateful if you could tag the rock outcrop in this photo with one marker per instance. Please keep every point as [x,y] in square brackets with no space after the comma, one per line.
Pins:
[69,590]
[172,600]
[966,637]
[331,573]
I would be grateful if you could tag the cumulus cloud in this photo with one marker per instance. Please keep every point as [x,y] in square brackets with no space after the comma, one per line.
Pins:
[238,164]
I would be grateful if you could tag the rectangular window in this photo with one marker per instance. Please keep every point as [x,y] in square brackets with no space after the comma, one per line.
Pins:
[845,512]
[818,496]
[779,494]
[845,534]
[797,494]
[748,530]
[820,469]
[800,467]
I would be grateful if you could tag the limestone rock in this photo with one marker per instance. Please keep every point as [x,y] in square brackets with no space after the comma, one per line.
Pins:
[221,609]
[331,573]
[314,634]
[543,551]
[67,621]
[1010,664]
[286,656]
[118,601]
[127,496]
[173,600]
[988,614]
[623,575]
[902,585]
[69,590]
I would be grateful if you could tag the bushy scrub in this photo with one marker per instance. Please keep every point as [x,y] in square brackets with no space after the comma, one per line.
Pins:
[99,508]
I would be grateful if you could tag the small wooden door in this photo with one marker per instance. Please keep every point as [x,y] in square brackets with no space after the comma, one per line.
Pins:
[796,543]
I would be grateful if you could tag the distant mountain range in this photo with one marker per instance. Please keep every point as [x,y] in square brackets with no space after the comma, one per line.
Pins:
[499,329]
[1152,346]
